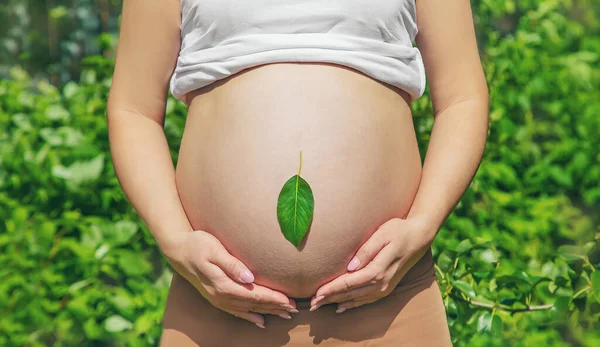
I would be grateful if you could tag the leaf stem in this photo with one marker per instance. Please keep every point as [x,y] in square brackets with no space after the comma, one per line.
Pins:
[442,274]
[300,169]
[588,263]
[581,291]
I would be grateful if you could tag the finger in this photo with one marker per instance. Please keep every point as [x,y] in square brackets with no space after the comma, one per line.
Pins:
[243,304]
[372,273]
[354,294]
[353,304]
[250,296]
[368,251]
[346,282]
[239,305]
[281,313]
[232,266]
[255,318]
[226,287]
[259,295]
[259,298]
[222,293]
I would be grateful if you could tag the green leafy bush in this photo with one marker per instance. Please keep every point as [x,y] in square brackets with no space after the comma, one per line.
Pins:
[518,260]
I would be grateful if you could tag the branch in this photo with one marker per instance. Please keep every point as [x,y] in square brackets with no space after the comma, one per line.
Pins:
[503,307]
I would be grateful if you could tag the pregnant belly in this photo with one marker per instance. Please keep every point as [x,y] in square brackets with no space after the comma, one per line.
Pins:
[242,141]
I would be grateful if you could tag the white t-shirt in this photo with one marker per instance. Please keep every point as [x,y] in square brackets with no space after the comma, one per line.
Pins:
[220,38]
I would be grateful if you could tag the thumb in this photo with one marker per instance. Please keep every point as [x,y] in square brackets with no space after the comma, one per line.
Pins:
[366,252]
[233,267]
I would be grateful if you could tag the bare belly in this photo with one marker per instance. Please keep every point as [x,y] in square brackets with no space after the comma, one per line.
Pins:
[241,143]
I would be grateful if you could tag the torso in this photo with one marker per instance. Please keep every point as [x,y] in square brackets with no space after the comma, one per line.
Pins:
[242,141]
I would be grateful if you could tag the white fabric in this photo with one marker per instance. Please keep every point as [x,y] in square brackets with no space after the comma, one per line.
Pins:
[220,38]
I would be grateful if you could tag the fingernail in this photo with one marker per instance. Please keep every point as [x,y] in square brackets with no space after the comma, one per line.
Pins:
[316,300]
[260,325]
[354,263]
[289,308]
[314,307]
[340,310]
[286,316]
[247,276]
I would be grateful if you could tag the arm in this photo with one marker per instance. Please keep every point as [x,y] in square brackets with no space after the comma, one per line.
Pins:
[146,56]
[148,48]
[460,100]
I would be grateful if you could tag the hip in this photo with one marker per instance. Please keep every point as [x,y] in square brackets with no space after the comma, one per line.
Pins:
[412,313]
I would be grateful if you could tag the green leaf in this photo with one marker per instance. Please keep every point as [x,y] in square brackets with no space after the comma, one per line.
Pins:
[571,253]
[70,89]
[497,325]
[133,264]
[484,323]
[115,324]
[92,329]
[465,288]
[464,246]
[487,256]
[124,231]
[561,307]
[489,323]
[446,260]
[57,112]
[596,282]
[121,300]
[81,171]
[295,207]
[101,251]
[75,287]
[518,281]
[144,323]
[63,136]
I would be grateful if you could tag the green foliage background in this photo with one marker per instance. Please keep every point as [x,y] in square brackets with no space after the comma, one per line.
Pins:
[518,260]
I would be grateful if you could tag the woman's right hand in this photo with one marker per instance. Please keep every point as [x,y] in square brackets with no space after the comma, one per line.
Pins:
[223,279]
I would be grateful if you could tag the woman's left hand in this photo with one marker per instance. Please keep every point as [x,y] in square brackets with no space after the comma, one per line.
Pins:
[378,266]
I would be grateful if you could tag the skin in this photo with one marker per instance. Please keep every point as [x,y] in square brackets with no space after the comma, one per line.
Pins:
[146,57]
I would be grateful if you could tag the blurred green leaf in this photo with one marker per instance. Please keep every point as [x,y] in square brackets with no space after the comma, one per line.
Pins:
[561,307]
[133,264]
[115,324]
[571,253]
[464,246]
[596,283]
[81,171]
[57,112]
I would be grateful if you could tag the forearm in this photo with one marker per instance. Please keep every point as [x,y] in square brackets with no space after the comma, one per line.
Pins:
[144,167]
[453,156]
